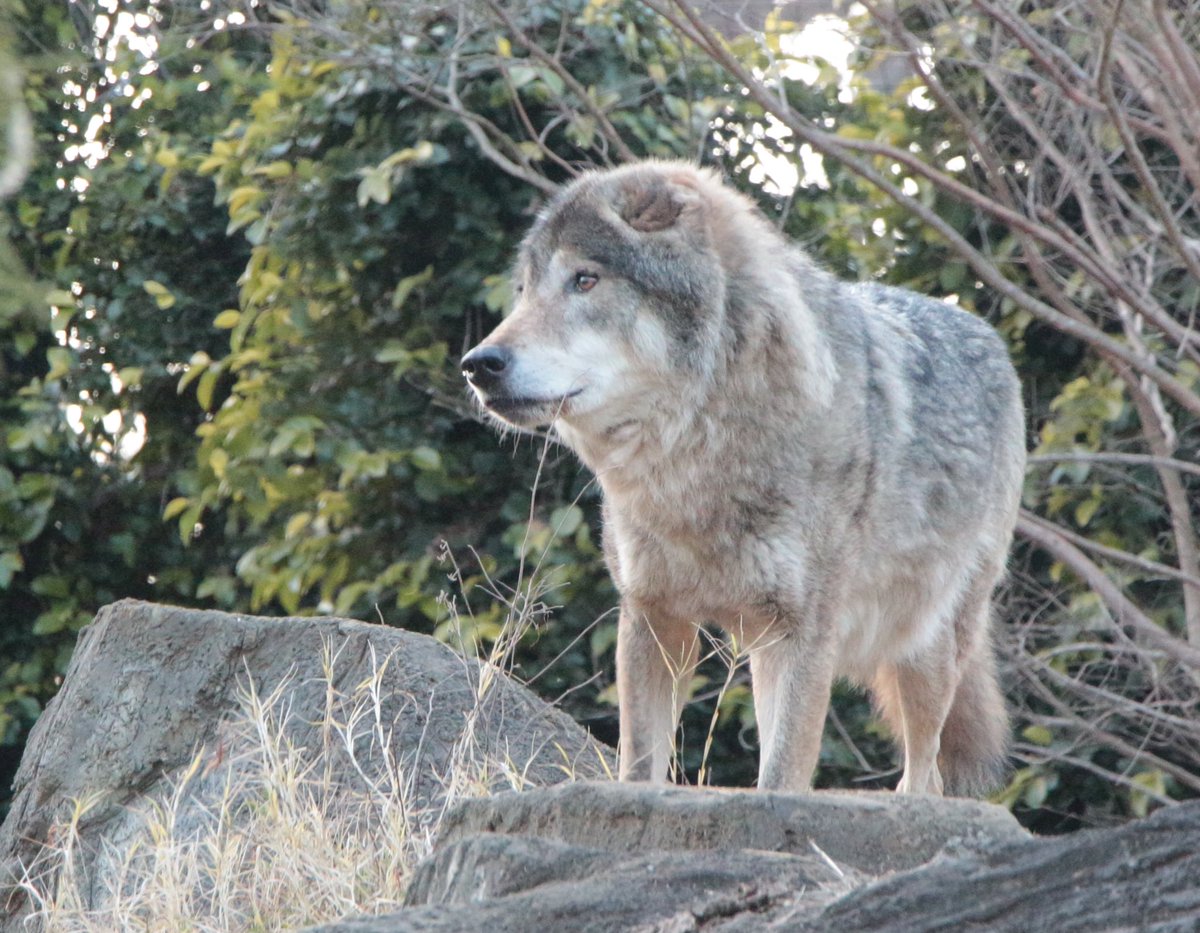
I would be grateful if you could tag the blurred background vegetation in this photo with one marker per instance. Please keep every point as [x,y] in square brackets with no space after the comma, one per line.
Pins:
[245,243]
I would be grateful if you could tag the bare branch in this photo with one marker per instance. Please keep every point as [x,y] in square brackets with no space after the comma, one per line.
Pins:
[847,152]
[1133,151]
[1125,613]
[1170,463]
[1124,557]
[474,125]
[610,132]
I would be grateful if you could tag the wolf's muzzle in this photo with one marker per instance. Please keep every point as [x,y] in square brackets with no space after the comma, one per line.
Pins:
[485,366]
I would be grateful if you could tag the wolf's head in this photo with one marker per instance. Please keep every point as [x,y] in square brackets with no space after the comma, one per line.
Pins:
[619,297]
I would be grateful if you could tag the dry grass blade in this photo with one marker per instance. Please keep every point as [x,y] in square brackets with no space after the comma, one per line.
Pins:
[261,833]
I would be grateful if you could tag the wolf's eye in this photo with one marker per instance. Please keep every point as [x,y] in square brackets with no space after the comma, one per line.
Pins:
[585,281]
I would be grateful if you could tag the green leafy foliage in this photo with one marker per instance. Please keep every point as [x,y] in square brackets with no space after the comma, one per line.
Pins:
[129,255]
[231,379]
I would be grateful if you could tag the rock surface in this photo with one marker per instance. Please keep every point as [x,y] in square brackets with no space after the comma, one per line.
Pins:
[491,882]
[149,685]
[989,875]
[869,831]
[1144,876]
[605,856]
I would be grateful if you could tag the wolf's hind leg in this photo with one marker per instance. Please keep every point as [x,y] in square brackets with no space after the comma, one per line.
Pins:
[655,660]
[923,688]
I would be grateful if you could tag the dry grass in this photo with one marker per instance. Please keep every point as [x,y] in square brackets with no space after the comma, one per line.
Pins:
[258,833]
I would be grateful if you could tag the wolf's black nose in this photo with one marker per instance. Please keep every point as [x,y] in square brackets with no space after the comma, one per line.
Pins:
[484,366]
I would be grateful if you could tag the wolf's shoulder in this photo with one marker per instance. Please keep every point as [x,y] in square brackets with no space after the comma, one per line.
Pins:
[938,328]
[926,316]
[952,360]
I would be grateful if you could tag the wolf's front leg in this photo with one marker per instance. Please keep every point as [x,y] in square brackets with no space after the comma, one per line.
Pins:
[791,677]
[655,659]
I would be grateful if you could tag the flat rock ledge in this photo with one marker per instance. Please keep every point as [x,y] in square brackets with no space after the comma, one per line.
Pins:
[871,832]
[608,857]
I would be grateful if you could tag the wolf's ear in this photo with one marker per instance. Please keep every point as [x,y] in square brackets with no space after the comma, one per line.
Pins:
[649,205]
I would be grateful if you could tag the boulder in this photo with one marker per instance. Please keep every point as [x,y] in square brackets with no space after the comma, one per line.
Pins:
[150,687]
[608,857]
[869,831]
[514,884]
[615,858]
[1141,876]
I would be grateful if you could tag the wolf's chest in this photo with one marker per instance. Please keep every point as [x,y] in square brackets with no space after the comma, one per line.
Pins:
[709,572]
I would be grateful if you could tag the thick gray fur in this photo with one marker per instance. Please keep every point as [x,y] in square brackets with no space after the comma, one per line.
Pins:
[828,471]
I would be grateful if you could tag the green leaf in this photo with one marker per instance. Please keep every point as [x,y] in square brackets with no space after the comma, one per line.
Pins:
[1146,784]
[405,287]
[421,152]
[1086,509]
[394,352]
[199,362]
[498,292]
[130,375]
[227,319]
[51,621]
[566,520]
[296,524]
[175,507]
[24,341]
[520,75]
[11,563]
[552,81]
[218,461]
[58,297]
[206,387]
[221,588]
[52,586]
[1036,792]
[425,458]
[242,200]
[376,185]
[60,359]
[188,521]
[162,297]
[273,170]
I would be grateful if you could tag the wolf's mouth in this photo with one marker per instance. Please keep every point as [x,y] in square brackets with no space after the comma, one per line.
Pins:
[508,406]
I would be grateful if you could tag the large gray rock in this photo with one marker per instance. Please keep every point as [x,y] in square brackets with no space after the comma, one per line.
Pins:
[869,831]
[149,686]
[1137,877]
[512,884]
[1144,876]
[607,857]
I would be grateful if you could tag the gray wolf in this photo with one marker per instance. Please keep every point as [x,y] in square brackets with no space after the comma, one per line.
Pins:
[831,471]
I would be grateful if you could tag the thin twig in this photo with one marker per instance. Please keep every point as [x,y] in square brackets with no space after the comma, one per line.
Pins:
[1171,463]
[1124,611]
